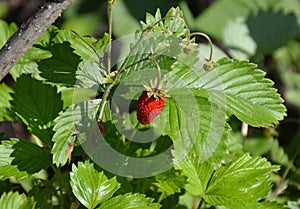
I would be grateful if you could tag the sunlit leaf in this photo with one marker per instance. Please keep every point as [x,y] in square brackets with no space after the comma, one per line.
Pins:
[76,118]
[241,183]
[12,200]
[132,201]
[91,187]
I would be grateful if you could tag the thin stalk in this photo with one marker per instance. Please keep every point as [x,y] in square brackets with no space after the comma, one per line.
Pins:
[201,204]
[110,20]
[159,72]
[58,175]
[209,41]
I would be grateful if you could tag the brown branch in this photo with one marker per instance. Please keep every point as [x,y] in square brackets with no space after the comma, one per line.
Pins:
[29,33]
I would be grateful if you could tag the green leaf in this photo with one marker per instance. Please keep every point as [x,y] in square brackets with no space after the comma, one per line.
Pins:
[29,157]
[278,155]
[28,62]
[37,104]
[91,187]
[248,95]
[15,201]
[170,182]
[271,205]
[38,194]
[89,75]
[275,36]
[5,114]
[237,39]
[129,24]
[62,66]
[241,183]
[23,155]
[198,174]
[215,18]
[132,201]
[8,170]
[7,30]
[77,118]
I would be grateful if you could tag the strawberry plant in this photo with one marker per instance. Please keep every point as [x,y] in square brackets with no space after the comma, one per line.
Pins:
[142,121]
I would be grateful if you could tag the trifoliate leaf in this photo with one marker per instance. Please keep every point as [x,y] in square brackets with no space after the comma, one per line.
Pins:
[249,95]
[37,104]
[241,183]
[132,201]
[91,187]
[68,127]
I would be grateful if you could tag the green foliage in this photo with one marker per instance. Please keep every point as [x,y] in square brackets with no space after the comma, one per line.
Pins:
[37,104]
[7,30]
[62,66]
[68,126]
[21,158]
[15,201]
[63,92]
[135,201]
[5,113]
[90,187]
[247,179]
[7,169]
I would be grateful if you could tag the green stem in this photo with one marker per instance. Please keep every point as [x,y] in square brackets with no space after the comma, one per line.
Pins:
[159,73]
[110,20]
[201,204]
[60,180]
[161,197]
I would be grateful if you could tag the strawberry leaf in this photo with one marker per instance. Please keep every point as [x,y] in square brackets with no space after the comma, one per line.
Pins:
[241,183]
[7,30]
[5,113]
[15,201]
[91,187]
[61,67]
[170,182]
[237,86]
[22,157]
[76,118]
[37,104]
[8,170]
[133,201]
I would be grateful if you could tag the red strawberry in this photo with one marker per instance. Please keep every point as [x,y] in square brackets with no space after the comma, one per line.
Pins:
[149,106]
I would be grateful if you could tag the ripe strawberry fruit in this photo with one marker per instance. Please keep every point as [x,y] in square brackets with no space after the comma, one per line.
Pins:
[149,106]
